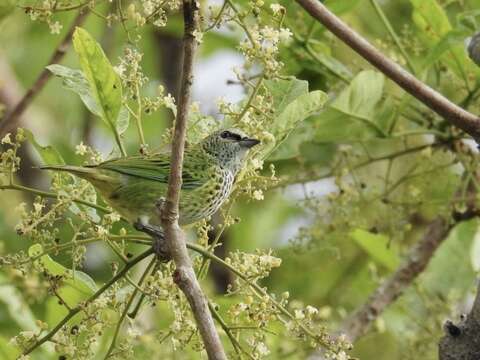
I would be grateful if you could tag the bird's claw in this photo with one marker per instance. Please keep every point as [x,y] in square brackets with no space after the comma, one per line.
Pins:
[161,249]
[159,244]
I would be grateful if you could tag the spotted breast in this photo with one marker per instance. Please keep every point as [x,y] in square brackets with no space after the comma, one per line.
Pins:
[208,198]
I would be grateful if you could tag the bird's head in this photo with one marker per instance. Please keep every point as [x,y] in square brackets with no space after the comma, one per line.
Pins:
[229,147]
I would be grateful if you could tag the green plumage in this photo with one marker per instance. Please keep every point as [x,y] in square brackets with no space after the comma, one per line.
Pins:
[133,185]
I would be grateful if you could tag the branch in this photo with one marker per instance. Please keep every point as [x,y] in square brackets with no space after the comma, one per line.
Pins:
[417,260]
[184,275]
[81,305]
[11,119]
[451,112]
[462,341]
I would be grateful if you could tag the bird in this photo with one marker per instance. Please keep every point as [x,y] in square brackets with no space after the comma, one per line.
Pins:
[134,185]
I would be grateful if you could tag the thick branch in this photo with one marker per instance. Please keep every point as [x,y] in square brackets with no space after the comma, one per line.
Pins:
[417,260]
[184,275]
[457,116]
[10,120]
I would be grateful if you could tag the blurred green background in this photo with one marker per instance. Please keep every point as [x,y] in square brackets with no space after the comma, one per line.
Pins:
[335,251]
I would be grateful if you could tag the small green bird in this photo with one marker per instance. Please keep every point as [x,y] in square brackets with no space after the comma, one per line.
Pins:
[133,185]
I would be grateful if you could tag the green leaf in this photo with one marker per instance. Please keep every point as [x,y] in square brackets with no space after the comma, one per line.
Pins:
[123,120]
[293,104]
[16,305]
[298,110]
[49,155]
[475,252]
[362,95]
[105,84]
[74,80]
[284,91]
[436,31]
[429,16]
[294,113]
[76,285]
[449,40]
[290,148]
[378,247]
[352,116]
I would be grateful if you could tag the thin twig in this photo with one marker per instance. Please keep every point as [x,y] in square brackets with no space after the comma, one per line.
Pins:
[184,275]
[393,34]
[80,306]
[52,195]
[10,121]
[127,307]
[457,116]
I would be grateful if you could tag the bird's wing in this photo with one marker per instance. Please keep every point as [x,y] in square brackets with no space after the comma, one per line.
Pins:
[156,168]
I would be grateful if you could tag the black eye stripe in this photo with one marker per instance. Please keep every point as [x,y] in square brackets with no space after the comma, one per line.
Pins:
[230,135]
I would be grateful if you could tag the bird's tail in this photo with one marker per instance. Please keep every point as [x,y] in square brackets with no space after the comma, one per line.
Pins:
[76,170]
[91,174]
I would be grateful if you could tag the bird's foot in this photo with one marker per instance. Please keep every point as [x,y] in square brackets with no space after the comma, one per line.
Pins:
[160,248]
[159,245]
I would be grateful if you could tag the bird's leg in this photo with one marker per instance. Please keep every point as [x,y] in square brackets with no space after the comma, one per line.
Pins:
[159,244]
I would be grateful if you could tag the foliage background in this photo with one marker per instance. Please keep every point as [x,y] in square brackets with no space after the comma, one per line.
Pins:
[339,229]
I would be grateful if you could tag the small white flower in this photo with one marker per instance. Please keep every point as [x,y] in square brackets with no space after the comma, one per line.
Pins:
[6,139]
[148,7]
[113,217]
[270,34]
[38,207]
[262,349]
[133,332]
[101,302]
[270,260]
[299,315]
[195,107]
[285,34]
[101,231]
[311,310]
[342,356]
[276,8]
[169,103]
[257,163]
[258,195]
[119,69]
[198,35]
[81,149]
[55,27]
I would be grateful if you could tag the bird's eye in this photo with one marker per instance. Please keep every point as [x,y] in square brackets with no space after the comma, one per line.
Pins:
[225,134]
[230,136]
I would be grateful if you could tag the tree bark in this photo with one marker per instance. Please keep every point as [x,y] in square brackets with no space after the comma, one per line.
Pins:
[184,275]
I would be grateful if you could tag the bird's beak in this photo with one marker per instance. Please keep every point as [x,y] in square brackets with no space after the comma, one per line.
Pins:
[248,143]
